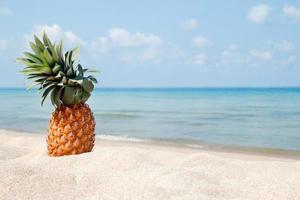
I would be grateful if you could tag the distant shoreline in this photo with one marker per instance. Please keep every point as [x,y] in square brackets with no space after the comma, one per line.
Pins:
[206,146]
[182,87]
[189,144]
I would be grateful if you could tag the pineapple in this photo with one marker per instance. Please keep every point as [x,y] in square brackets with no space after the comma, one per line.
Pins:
[72,125]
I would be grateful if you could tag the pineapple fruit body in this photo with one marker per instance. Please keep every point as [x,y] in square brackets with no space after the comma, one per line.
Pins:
[71,130]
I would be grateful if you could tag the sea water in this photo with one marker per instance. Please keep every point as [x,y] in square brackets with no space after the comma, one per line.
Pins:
[250,117]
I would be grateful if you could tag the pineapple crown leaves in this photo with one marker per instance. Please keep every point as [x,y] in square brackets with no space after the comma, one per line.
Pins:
[57,73]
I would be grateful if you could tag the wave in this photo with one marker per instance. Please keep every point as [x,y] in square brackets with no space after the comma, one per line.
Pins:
[121,138]
[117,115]
[144,111]
[189,143]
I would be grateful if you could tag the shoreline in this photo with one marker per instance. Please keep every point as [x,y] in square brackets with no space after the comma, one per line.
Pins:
[209,147]
[192,145]
[189,144]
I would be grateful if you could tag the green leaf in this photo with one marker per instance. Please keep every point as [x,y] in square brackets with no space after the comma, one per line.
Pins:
[80,70]
[58,49]
[55,55]
[36,71]
[93,79]
[44,60]
[39,44]
[40,80]
[71,83]
[47,83]
[78,95]
[64,80]
[70,72]
[67,64]
[37,76]
[75,53]
[87,85]
[51,48]
[75,81]
[34,48]
[85,96]
[70,58]
[91,70]
[47,41]
[51,78]
[33,57]
[60,74]
[55,97]
[68,95]
[35,65]
[48,58]
[46,92]
[32,85]
[56,69]
[25,61]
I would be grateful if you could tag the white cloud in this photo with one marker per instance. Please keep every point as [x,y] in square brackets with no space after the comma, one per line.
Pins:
[200,59]
[201,41]
[259,13]
[150,54]
[230,55]
[282,45]
[264,55]
[233,47]
[291,11]
[226,57]
[143,47]
[4,11]
[189,24]
[55,32]
[70,36]
[123,38]
[3,44]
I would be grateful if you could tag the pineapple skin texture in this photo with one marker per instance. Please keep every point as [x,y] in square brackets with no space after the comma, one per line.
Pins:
[71,130]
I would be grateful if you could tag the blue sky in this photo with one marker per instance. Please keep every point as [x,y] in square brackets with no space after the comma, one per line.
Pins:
[163,43]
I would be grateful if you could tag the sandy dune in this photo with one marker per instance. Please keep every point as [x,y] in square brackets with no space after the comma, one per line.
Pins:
[127,170]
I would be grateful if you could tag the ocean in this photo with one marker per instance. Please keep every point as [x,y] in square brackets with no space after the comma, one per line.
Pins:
[242,117]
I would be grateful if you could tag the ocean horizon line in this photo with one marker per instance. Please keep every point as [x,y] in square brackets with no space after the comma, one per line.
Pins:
[182,87]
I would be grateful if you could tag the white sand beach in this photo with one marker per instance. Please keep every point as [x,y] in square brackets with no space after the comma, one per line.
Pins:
[131,170]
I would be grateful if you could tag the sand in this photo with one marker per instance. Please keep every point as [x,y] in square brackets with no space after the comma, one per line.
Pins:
[132,170]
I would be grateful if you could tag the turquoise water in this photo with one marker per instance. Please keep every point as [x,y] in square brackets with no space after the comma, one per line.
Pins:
[265,117]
